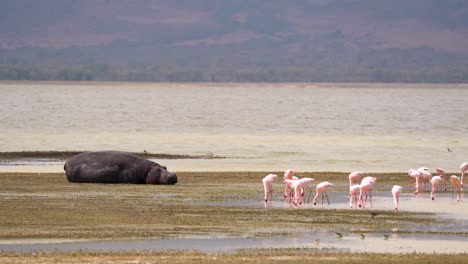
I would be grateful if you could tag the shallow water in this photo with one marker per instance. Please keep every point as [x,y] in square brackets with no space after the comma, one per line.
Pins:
[309,127]
[324,240]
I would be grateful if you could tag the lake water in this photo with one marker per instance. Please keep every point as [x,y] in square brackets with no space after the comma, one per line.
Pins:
[268,127]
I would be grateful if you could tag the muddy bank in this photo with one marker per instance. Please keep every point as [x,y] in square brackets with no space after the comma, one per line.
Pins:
[63,155]
[219,210]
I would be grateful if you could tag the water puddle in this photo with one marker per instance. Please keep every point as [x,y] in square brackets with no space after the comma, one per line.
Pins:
[320,240]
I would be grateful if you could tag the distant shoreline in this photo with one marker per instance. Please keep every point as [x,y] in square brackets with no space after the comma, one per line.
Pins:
[178,84]
[63,155]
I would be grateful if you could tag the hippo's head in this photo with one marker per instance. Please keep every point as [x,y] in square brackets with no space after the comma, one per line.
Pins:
[159,175]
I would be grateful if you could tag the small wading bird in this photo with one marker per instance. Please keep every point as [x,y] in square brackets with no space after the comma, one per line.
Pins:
[434,182]
[322,189]
[338,234]
[366,187]
[441,173]
[396,195]
[463,168]
[268,186]
[455,180]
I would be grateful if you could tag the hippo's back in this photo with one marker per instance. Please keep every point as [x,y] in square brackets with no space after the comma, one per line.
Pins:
[107,167]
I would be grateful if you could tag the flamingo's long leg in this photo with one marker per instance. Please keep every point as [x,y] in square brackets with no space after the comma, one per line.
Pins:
[452,193]
[271,192]
[458,194]
[326,195]
[360,199]
[364,201]
[310,194]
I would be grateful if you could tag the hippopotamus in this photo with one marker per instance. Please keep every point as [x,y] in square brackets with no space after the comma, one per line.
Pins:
[116,167]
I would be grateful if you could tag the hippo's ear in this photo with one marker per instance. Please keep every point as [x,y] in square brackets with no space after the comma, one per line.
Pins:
[153,176]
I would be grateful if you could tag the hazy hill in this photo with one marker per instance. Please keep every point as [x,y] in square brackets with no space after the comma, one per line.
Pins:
[235,40]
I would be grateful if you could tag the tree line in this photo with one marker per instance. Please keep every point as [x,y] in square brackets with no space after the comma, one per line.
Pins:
[104,72]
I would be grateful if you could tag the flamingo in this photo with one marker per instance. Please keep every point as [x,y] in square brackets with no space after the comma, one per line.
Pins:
[426,175]
[288,175]
[396,195]
[434,182]
[463,168]
[297,186]
[354,177]
[441,173]
[353,191]
[455,180]
[322,189]
[304,182]
[416,175]
[294,186]
[268,185]
[366,186]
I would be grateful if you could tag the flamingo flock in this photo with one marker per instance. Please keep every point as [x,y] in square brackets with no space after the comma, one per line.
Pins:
[360,192]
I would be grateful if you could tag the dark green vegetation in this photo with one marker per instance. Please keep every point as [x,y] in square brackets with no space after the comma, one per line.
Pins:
[273,256]
[235,41]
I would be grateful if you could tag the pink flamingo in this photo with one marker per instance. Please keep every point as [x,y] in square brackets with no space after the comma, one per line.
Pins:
[434,182]
[268,186]
[304,182]
[353,191]
[425,175]
[463,168]
[441,173]
[354,177]
[294,190]
[416,175]
[297,187]
[455,180]
[366,186]
[288,175]
[322,189]
[396,195]
[353,188]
